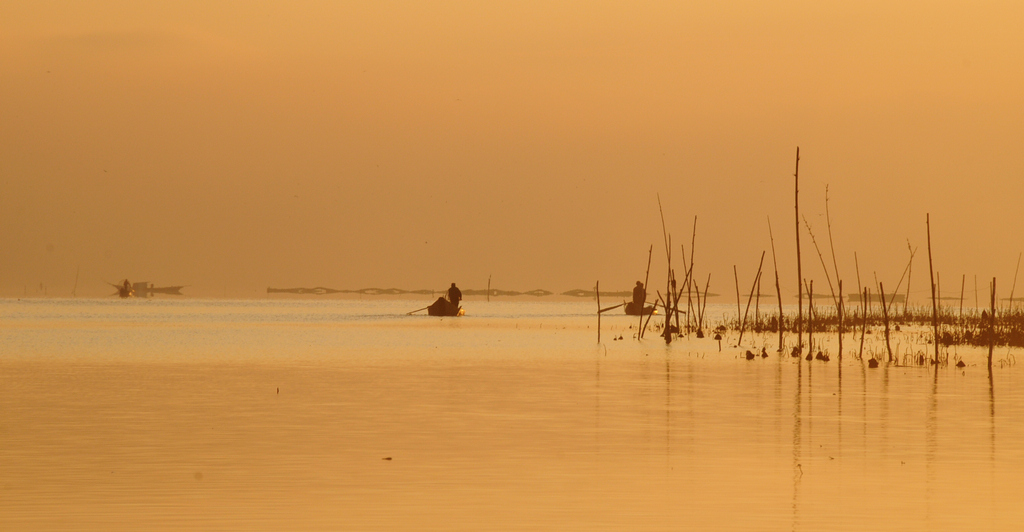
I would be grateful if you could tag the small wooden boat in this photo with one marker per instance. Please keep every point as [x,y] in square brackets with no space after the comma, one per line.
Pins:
[443,307]
[633,310]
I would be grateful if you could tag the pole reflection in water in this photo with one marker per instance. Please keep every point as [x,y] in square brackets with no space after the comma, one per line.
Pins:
[798,472]
[931,441]
[992,435]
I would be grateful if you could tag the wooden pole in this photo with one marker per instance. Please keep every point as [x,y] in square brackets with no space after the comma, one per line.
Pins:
[757,278]
[757,301]
[799,270]
[647,277]
[778,290]
[931,274]
[841,324]
[613,307]
[810,320]
[885,317]
[963,282]
[737,278]
[690,278]
[648,320]
[863,302]
[1014,285]
[864,325]
[668,279]
[840,306]
[992,326]
[704,305]
[906,301]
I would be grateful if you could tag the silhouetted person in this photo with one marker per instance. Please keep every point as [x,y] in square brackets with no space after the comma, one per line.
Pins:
[454,295]
[639,295]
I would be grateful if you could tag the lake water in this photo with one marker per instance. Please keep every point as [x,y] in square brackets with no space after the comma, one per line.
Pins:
[349,415]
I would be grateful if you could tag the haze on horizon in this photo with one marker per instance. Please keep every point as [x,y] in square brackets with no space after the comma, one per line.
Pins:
[232,146]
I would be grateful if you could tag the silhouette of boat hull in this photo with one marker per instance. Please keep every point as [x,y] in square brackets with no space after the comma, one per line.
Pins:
[633,310]
[443,307]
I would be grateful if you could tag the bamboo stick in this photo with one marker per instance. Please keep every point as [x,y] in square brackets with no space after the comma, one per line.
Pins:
[992,326]
[906,300]
[1014,285]
[799,270]
[606,309]
[963,281]
[931,274]
[647,277]
[864,324]
[840,325]
[648,320]
[810,321]
[737,278]
[704,305]
[885,317]
[757,301]
[756,279]
[856,264]
[689,273]
[778,290]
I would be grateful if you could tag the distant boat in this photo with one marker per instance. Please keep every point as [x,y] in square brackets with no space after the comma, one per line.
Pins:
[124,290]
[633,310]
[146,289]
[443,307]
[143,289]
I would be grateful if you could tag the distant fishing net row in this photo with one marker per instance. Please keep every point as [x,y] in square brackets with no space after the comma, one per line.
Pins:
[323,290]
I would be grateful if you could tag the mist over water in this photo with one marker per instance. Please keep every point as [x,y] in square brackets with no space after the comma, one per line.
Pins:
[309,415]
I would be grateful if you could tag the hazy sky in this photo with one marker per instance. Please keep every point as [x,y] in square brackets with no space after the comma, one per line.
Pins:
[232,146]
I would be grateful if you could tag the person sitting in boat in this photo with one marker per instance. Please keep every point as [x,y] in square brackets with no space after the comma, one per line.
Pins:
[639,295]
[454,295]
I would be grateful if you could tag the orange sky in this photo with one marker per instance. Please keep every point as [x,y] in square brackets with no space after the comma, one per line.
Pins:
[232,146]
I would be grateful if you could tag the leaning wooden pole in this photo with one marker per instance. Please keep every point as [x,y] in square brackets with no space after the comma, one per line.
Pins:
[778,290]
[647,277]
[931,274]
[906,301]
[885,317]
[840,305]
[703,305]
[757,278]
[799,271]
[1014,285]
[739,313]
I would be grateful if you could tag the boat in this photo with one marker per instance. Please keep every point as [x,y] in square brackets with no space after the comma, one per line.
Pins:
[634,310]
[443,307]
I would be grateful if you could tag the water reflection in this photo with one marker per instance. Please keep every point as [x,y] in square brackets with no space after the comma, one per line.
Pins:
[504,428]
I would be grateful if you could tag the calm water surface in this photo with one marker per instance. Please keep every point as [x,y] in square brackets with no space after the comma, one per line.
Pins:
[349,415]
